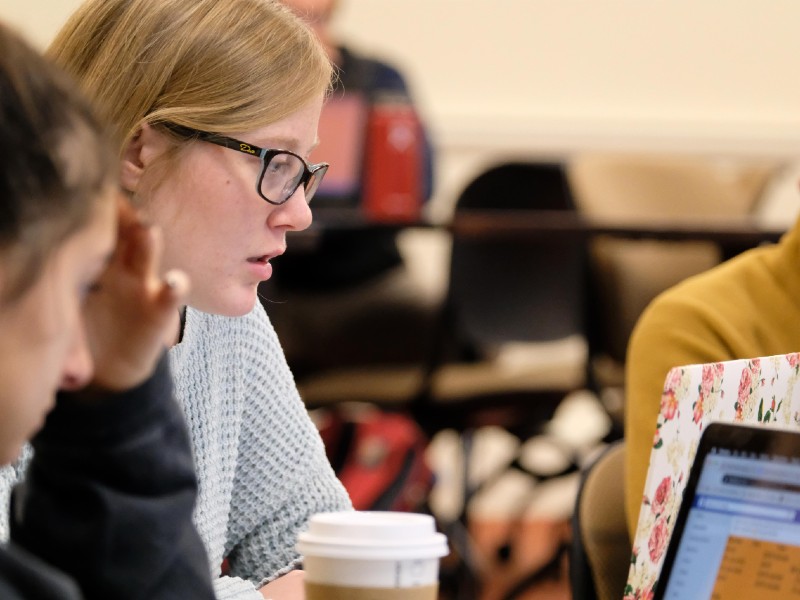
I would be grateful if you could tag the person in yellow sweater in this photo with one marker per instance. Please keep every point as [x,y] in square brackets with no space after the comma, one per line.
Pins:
[748,306]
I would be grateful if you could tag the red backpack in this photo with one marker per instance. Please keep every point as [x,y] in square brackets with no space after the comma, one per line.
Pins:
[379,456]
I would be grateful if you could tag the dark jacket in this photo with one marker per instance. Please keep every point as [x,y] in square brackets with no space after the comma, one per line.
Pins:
[106,507]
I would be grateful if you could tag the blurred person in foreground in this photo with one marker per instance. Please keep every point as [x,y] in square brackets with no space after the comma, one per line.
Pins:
[106,508]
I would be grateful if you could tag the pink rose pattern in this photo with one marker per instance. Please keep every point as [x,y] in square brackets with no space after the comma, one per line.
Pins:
[692,397]
[662,496]
[749,384]
[711,378]
[697,413]
[710,390]
[658,539]
[669,404]
[674,387]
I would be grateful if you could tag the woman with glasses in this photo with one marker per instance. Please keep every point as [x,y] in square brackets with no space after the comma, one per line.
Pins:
[214,105]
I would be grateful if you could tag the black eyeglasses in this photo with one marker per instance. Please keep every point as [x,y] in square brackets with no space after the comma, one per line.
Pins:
[282,171]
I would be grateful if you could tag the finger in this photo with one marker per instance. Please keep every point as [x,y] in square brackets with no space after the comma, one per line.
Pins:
[156,247]
[141,250]
[174,289]
[126,214]
[135,246]
[127,223]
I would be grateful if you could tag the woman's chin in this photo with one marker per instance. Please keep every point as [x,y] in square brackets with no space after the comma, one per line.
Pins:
[10,452]
[231,305]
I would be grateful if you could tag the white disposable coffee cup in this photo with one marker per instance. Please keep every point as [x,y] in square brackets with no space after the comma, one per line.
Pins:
[372,549]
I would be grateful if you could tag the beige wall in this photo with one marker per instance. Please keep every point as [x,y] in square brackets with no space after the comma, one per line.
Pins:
[37,19]
[516,78]
[500,78]
[718,66]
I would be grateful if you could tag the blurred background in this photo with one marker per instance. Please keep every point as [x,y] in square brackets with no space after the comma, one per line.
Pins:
[549,77]
[641,110]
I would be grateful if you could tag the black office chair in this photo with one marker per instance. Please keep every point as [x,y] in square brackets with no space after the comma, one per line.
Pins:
[512,341]
[601,548]
[505,298]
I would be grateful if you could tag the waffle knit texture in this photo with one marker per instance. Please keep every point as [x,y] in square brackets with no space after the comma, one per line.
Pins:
[260,461]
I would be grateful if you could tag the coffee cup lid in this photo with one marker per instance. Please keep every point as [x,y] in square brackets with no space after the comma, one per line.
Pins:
[372,535]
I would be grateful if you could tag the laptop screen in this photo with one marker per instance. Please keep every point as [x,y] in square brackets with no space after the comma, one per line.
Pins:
[342,129]
[740,534]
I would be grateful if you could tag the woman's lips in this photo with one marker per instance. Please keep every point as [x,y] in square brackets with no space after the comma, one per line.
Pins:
[260,267]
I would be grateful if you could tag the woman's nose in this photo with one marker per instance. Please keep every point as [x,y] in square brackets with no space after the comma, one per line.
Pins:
[78,366]
[294,214]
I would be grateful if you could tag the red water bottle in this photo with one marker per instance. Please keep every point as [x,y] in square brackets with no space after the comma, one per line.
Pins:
[393,162]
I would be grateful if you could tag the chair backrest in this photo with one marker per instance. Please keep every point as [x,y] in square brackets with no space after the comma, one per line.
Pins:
[517,290]
[601,547]
[663,186]
[630,273]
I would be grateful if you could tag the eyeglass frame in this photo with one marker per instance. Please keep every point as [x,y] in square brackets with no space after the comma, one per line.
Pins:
[310,171]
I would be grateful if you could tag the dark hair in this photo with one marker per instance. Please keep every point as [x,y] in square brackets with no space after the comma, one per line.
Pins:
[54,161]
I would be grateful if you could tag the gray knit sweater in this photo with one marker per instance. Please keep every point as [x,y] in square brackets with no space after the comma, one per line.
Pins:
[260,461]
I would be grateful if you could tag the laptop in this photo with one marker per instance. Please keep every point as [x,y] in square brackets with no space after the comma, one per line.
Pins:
[737,533]
[342,131]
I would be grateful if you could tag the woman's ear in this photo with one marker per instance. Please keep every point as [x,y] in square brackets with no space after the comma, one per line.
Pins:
[144,147]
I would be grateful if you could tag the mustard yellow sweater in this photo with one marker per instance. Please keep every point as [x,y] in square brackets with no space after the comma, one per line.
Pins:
[748,306]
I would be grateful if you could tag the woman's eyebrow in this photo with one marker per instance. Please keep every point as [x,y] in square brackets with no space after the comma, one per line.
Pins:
[287,143]
[281,143]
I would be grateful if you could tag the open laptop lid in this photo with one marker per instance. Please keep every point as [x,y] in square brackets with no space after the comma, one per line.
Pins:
[342,131]
[737,534]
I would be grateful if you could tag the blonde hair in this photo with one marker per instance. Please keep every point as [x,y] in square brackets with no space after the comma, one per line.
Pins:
[218,65]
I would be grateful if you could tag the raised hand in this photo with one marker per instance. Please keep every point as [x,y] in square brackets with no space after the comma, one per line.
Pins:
[134,310]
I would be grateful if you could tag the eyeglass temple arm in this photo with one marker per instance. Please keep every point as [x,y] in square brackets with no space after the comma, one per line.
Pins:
[215,138]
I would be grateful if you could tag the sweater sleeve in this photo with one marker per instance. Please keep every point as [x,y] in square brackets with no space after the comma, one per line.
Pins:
[675,330]
[109,494]
[283,475]
[11,475]
[235,588]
